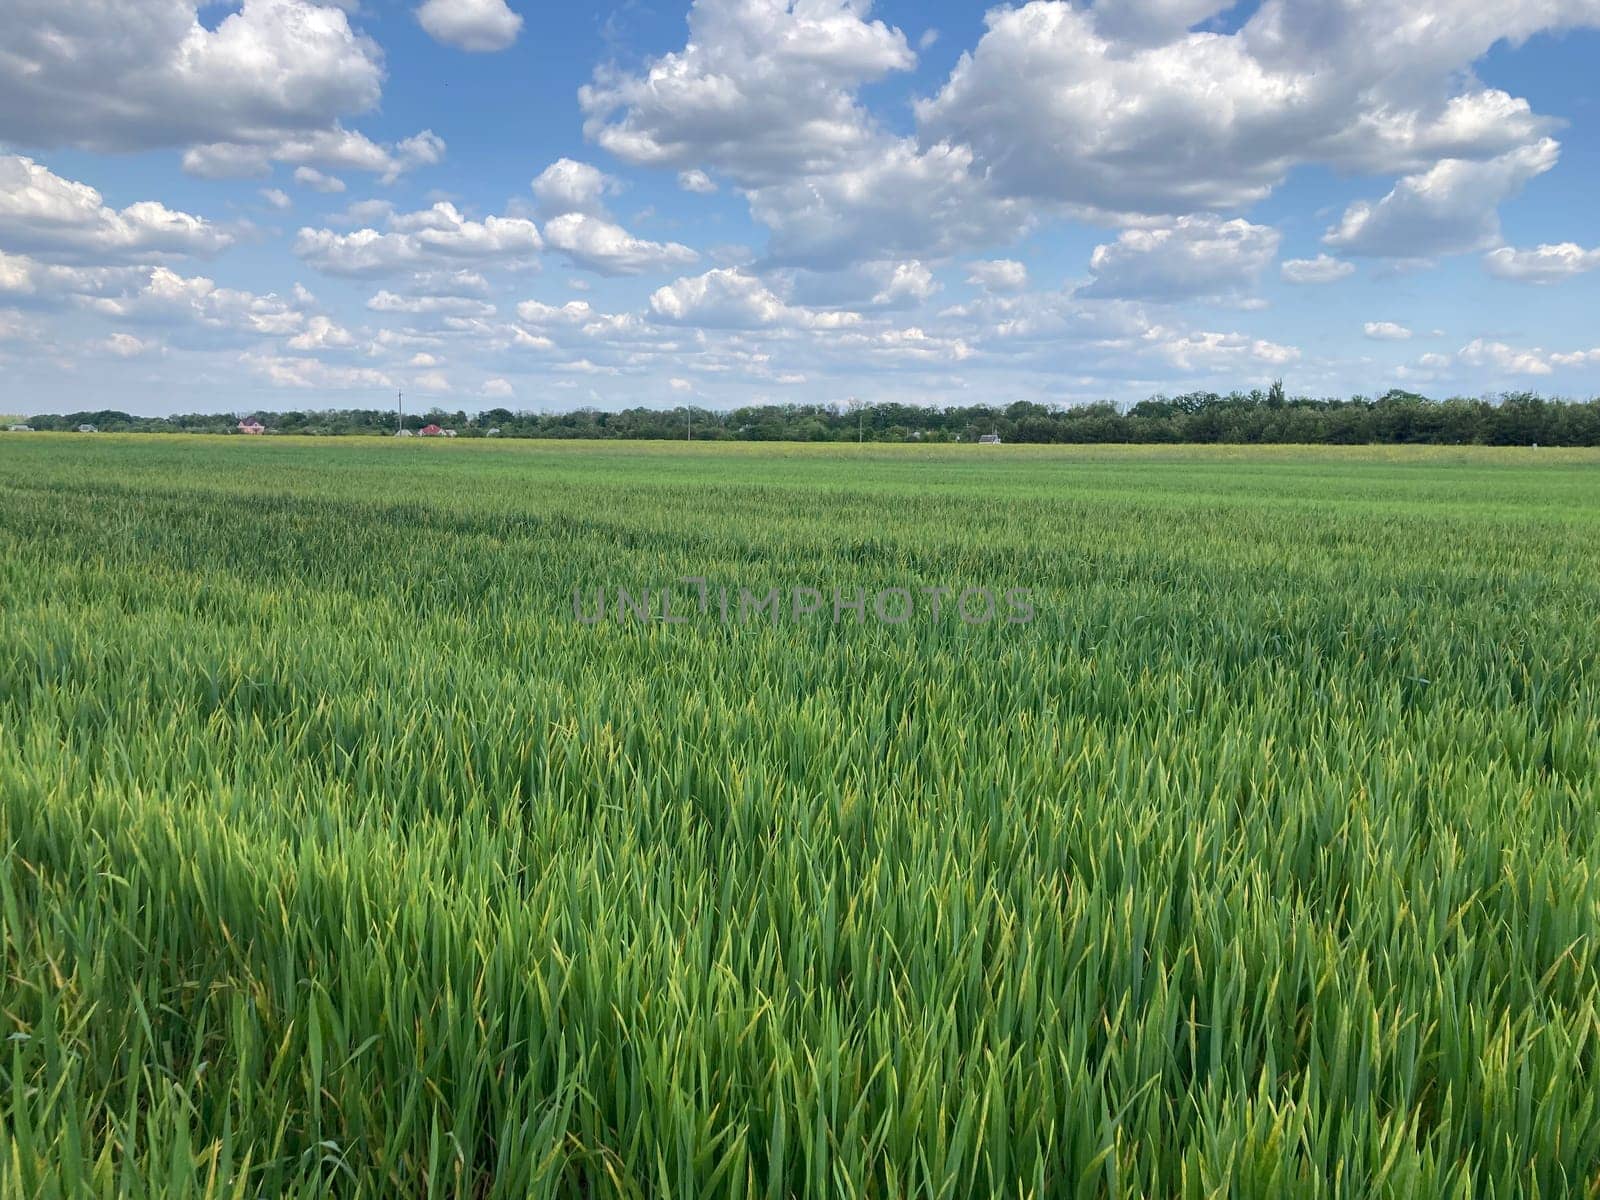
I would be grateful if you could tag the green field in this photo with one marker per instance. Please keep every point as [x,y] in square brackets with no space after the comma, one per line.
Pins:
[341,859]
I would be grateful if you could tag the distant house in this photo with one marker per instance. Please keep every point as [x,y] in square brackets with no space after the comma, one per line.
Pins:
[989,439]
[432,431]
[404,433]
[87,429]
[253,426]
[22,429]
[492,433]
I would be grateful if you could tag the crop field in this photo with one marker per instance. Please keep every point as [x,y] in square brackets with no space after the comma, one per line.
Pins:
[346,853]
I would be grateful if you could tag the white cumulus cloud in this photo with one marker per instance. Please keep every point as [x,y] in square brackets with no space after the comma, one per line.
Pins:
[1386,331]
[1193,257]
[433,238]
[608,249]
[569,186]
[52,217]
[257,81]
[1121,109]
[321,333]
[1324,268]
[763,90]
[1451,208]
[1543,264]
[731,299]
[999,275]
[479,26]
[314,179]
[125,345]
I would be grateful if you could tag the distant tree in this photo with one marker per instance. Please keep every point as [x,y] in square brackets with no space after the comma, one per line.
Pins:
[1267,416]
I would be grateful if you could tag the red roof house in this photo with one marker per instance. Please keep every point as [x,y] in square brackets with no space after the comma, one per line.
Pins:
[432,431]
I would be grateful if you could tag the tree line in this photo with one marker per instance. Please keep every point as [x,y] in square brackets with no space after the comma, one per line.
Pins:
[1262,416]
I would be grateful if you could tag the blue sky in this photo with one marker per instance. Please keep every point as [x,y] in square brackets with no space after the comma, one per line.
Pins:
[293,204]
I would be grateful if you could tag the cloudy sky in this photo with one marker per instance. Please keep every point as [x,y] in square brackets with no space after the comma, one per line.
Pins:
[294,204]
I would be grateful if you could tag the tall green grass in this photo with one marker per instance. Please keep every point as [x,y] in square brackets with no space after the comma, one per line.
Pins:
[339,860]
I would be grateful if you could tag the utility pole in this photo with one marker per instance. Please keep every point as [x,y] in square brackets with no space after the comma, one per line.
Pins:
[400,410]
